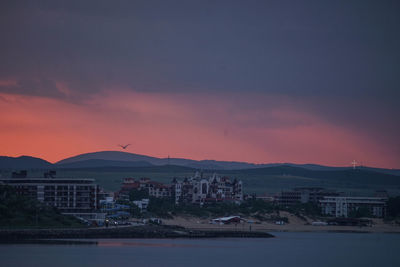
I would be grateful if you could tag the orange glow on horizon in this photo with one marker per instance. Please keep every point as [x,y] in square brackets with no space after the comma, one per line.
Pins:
[182,126]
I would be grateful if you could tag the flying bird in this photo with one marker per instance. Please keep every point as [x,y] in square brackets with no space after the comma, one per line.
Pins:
[125,146]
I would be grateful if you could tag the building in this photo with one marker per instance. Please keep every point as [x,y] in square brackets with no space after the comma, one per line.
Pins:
[78,197]
[195,189]
[227,220]
[116,211]
[344,206]
[142,204]
[106,203]
[152,188]
[201,190]
[301,195]
[159,190]
[266,198]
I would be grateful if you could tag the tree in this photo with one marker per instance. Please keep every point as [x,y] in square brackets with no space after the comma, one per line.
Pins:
[21,211]
[360,212]
[393,207]
[161,207]
[138,194]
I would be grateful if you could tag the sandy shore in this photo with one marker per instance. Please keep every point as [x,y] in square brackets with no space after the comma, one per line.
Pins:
[295,225]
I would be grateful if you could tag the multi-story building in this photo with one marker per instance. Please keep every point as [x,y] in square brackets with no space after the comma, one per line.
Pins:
[159,190]
[201,190]
[142,204]
[79,197]
[301,195]
[153,188]
[191,190]
[343,206]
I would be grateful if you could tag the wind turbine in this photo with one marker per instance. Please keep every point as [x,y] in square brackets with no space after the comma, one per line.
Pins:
[354,163]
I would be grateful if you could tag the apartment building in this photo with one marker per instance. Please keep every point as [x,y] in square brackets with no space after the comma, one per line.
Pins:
[73,196]
[343,206]
[153,188]
[303,195]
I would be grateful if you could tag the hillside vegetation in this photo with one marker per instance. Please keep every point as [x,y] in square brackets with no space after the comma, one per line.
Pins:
[263,180]
[260,180]
[22,212]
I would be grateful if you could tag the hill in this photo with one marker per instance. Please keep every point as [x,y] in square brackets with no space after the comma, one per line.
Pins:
[114,158]
[111,156]
[103,159]
[131,157]
[101,163]
[356,176]
[23,162]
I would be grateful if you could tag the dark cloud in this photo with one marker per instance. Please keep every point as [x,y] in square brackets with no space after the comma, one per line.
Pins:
[292,48]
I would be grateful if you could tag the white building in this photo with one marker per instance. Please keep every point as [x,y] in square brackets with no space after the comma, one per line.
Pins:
[142,204]
[71,196]
[201,190]
[343,206]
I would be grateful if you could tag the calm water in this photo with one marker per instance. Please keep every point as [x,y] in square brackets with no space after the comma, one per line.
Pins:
[287,249]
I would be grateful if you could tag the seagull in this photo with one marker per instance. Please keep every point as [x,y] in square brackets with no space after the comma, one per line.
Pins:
[125,146]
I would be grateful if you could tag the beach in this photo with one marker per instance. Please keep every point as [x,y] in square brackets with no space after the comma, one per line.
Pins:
[295,224]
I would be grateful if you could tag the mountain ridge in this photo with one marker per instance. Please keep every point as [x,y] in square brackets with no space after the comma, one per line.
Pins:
[212,164]
[127,159]
[27,161]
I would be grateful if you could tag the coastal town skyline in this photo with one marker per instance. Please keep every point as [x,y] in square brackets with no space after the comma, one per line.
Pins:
[199,133]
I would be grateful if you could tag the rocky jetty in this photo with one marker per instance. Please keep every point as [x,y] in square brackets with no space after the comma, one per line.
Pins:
[124,232]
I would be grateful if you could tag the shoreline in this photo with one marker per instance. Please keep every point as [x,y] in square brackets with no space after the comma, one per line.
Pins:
[363,230]
[295,224]
[311,229]
[66,236]
[193,227]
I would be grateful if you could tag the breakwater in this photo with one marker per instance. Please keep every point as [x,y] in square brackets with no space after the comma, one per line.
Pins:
[125,232]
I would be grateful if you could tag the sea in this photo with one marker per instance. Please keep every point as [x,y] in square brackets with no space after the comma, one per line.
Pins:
[285,249]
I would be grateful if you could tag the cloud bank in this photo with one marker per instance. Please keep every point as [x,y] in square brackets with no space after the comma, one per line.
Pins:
[260,81]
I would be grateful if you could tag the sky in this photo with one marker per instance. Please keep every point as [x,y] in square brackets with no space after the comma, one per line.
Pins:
[256,81]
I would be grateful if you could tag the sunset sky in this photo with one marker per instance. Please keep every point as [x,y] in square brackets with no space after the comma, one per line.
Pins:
[257,81]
